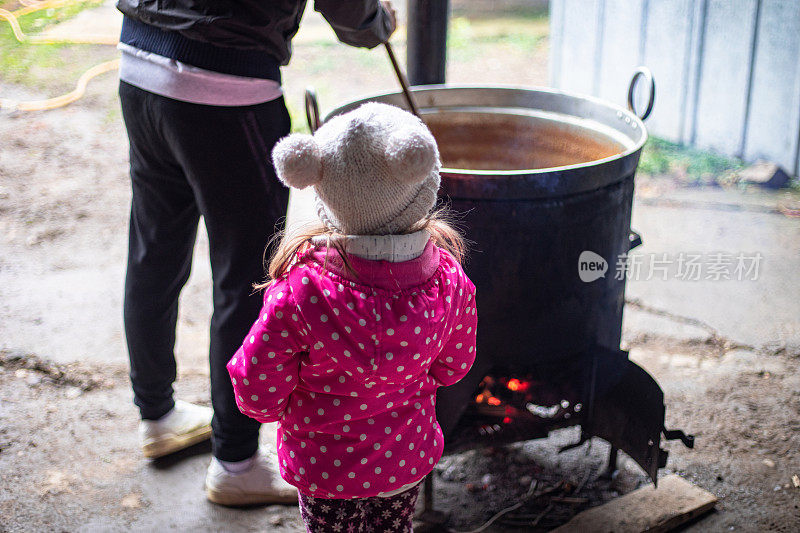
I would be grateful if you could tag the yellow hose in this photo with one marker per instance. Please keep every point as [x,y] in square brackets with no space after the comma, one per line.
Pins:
[64,99]
[80,87]
[12,19]
[30,7]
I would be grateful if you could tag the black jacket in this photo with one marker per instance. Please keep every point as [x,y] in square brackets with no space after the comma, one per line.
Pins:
[243,37]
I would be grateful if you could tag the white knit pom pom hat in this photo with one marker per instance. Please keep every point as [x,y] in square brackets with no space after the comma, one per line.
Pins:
[375,169]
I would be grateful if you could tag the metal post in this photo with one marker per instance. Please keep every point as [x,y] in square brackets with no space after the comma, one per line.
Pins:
[611,467]
[431,519]
[427,41]
[428,489]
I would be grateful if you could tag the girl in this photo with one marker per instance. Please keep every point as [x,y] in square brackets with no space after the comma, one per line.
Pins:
[363,319]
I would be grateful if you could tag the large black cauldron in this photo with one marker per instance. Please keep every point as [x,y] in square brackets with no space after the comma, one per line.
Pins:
[540,177]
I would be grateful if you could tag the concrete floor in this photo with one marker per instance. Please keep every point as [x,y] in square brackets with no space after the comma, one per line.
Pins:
[69,458]
[760,313]
[129,494]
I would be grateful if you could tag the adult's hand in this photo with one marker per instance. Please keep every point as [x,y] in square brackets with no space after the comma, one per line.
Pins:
[389,8]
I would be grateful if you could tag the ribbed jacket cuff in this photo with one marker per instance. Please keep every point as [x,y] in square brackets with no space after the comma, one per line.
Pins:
[235,61]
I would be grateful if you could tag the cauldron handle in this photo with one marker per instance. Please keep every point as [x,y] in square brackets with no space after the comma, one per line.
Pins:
[312,110]
[634,240]
[648,77]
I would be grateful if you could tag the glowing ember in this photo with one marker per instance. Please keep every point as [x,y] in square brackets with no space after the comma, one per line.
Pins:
[506,409]
[518,386]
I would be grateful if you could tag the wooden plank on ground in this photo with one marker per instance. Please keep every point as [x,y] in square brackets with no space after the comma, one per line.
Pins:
[674,502]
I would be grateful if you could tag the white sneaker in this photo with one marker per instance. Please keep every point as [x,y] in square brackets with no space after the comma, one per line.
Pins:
[185,425]
[260,484]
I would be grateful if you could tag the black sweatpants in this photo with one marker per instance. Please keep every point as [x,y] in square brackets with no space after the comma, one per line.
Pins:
[188,160]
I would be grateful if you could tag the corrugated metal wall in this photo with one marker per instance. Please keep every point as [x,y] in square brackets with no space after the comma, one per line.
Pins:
[727,71]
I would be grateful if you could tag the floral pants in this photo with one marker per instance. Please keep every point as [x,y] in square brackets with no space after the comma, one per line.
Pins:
[360,515]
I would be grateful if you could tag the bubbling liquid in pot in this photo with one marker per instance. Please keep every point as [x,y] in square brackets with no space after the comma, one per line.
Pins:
[499,141]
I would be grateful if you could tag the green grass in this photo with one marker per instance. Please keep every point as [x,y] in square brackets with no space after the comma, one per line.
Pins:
[467,38]
[113,115]
[516,10]
[299,122]
[663,157]
[26,63]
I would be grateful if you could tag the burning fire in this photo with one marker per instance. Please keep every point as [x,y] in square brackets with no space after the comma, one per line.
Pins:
[499,396]
[489,383]
[518,386]
[510,397]
[486,397]
[507,407]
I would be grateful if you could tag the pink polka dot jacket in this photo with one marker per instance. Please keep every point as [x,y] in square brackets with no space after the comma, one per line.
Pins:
[349,366]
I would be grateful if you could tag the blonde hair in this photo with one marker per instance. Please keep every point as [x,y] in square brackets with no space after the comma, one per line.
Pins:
[439,224]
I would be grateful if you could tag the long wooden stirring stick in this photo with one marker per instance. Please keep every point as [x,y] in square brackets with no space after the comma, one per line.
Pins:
[402,79]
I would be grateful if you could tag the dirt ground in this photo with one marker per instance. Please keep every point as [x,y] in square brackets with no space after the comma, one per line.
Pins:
[69,459]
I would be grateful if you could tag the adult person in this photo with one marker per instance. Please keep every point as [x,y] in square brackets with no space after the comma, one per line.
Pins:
[202,104]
